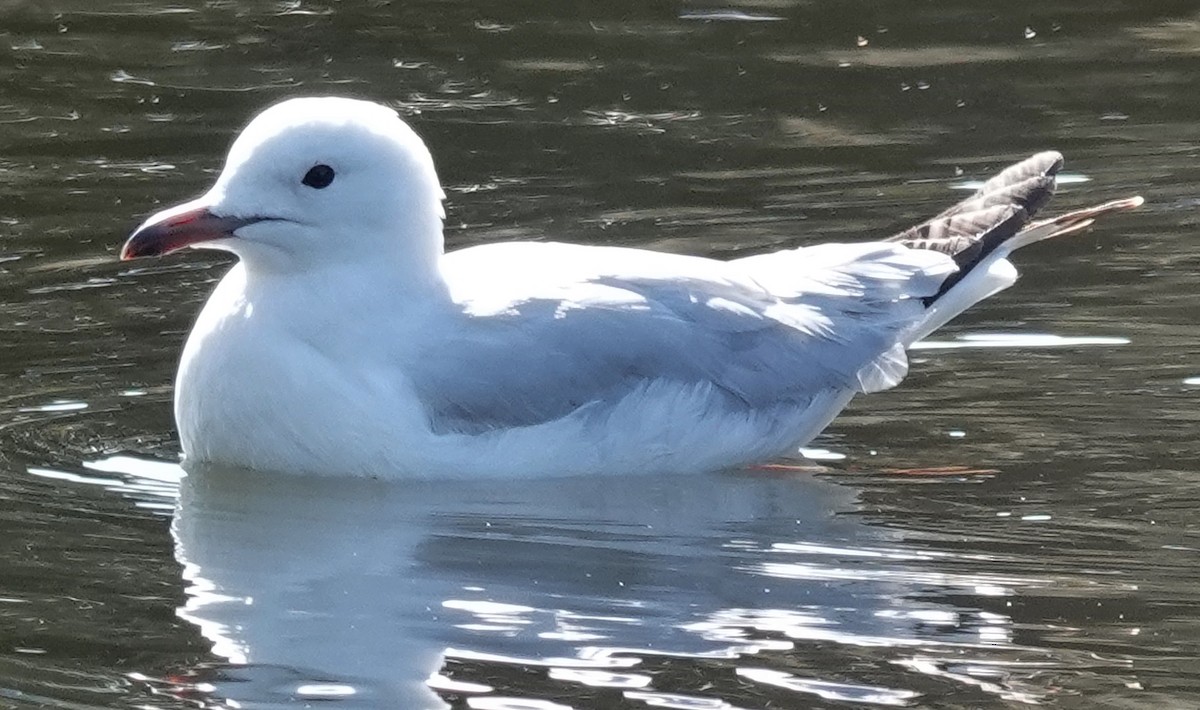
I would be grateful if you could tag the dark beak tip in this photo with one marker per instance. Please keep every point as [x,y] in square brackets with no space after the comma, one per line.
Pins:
[145,241]
[169,233]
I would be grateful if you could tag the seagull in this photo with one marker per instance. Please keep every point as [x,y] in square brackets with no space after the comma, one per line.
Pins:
[346,341]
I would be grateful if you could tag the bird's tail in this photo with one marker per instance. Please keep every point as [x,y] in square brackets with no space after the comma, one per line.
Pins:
[982,230]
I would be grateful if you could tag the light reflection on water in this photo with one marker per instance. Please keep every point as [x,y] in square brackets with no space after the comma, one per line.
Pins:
[360,592]
[1016,340]
[1015,524]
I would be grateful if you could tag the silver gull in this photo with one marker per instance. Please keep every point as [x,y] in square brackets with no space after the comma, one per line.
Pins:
[345,341]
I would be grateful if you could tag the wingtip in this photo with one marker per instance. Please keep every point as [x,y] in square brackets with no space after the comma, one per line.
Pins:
[1053,160]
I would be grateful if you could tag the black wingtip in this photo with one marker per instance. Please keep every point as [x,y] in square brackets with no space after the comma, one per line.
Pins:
[984,220]
[972,229]
[999,214]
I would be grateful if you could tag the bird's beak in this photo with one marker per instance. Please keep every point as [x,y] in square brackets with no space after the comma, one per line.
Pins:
[179,227]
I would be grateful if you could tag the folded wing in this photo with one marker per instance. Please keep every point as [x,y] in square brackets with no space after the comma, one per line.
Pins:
[551,329]
[602,322]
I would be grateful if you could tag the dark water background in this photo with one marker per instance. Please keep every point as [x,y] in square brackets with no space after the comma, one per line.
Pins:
[1061,570]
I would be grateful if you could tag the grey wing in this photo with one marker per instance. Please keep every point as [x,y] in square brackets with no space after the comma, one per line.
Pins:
[568,327]
[835,326]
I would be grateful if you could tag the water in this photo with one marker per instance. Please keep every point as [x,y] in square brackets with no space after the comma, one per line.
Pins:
[1014,525]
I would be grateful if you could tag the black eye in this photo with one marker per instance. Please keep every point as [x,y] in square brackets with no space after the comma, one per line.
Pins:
[318,176]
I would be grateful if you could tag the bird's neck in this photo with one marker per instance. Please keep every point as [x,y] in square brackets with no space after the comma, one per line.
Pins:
[401,267]
[341,297]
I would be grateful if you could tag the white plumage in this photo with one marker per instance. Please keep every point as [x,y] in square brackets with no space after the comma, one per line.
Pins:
[345,342]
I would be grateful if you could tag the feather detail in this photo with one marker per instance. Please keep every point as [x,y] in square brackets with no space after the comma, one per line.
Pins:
[982,230]
[997,218]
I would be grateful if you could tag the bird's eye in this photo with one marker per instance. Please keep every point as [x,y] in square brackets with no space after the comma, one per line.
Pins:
[318,176]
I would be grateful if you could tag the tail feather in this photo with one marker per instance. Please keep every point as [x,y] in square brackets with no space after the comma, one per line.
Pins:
[1070,222]
[981,231]
[996,219]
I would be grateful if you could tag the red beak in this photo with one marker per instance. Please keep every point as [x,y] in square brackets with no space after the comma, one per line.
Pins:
[179,227]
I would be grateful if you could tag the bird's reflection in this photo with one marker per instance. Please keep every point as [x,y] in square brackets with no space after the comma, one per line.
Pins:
[357,591]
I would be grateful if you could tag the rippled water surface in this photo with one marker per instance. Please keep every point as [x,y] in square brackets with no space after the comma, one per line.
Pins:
[1014,525]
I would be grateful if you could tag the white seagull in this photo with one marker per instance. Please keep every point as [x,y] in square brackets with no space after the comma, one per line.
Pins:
[346,341]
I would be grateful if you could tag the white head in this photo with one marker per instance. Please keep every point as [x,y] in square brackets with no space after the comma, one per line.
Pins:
[309,183]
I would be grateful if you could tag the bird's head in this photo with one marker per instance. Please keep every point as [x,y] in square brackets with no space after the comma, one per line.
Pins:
[312,181]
